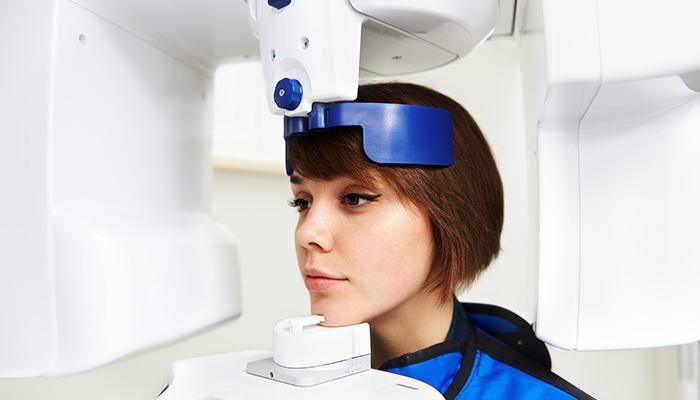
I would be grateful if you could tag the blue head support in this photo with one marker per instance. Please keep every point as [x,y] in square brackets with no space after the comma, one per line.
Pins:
[400,134]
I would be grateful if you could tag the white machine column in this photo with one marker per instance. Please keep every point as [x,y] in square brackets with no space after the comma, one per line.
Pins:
[107,246]
[615,104]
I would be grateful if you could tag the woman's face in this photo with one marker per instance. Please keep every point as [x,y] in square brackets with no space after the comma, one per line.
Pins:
[361,250]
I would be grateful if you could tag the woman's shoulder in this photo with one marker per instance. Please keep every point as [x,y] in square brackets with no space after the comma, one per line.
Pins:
[490,353]
[508,328]
[507,359]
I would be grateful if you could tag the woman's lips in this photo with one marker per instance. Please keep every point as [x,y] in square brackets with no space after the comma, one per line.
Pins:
[317,281]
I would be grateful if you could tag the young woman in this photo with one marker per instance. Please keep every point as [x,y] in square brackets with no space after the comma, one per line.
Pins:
[391,245]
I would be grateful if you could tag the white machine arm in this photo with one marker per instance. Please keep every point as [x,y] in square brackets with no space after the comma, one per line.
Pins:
[312,51]
[107,246]
[615,106]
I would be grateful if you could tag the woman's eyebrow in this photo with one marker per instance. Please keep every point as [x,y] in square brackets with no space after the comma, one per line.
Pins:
[296,179]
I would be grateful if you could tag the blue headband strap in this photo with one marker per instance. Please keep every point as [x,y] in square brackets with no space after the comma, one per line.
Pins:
[403,134]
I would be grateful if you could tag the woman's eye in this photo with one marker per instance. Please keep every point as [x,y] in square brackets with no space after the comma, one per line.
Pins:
[357,199]
[299,204]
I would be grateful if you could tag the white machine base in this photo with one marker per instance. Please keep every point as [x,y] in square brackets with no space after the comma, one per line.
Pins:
[269,369]
[224,377]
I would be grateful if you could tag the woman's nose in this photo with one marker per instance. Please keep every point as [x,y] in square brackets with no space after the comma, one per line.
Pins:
[314,232]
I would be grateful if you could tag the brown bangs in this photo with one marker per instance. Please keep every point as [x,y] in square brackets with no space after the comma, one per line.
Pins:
[332,154]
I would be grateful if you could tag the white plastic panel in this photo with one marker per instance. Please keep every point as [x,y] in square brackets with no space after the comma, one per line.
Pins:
[457,26]
[118,253]
[137,256]
[640,224]
[559,283]
[619,179]
[387,51]
[573,56]
[648,39]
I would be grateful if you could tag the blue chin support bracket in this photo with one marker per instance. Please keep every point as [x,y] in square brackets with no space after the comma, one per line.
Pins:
[400,134]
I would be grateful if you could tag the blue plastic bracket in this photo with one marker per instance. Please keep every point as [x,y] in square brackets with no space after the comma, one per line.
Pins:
[402,134]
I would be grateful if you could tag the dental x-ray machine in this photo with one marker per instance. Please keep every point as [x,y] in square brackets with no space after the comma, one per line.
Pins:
[107,246]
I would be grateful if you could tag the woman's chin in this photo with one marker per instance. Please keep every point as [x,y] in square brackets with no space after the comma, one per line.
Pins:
[336,314]
[330,323]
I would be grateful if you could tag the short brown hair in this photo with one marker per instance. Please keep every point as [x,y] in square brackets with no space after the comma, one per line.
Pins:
[463,202]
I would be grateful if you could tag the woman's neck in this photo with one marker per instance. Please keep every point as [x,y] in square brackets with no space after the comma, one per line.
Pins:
[417,323]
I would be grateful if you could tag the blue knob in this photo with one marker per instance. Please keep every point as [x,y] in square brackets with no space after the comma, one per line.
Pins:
[278,4]
[288,94]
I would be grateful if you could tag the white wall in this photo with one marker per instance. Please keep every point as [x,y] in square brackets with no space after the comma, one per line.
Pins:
[254,205]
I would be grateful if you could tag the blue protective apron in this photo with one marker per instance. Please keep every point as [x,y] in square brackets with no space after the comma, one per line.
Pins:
[489,353]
